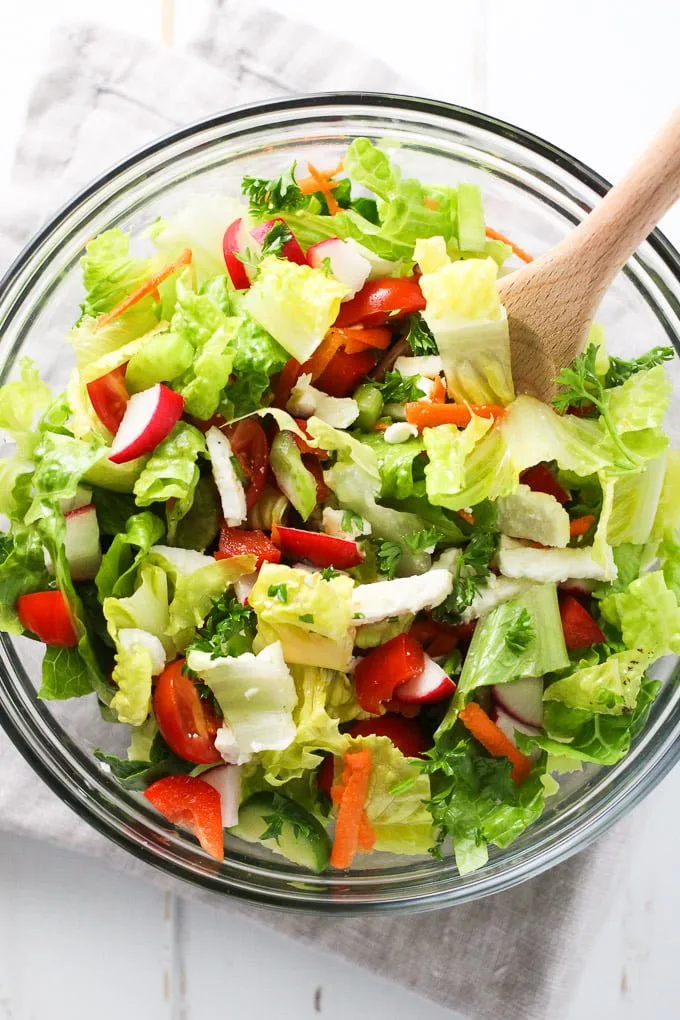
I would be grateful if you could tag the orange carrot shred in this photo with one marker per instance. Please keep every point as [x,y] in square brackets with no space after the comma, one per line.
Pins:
[430,203]
[426,414]
[323,355]
[352,828]
[495,235]
[438,391]
[325,186]
[308,185]
[475,719]
[580,525]
[148,287]
[468,518]
[381,426]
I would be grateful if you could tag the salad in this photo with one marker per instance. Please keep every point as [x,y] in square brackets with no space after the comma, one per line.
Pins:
[336,585]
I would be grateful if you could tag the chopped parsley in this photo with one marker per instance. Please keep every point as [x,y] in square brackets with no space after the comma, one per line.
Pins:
[521,633]
[424,539]
[280,194]
[286,812]
[388,555]
[399,389]
[278,591]
[419,337]
[229,629]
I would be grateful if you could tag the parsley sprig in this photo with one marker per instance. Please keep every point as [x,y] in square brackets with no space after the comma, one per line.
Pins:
[581,385]
[521,633]
[275,240]
[423,539]
[388,555]
[229,629]
[280,194]
[419,337]
[619,370]
[286,812]
[473,564]
[398,389]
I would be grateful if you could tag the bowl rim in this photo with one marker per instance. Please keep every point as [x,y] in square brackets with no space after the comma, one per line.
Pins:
[561,850]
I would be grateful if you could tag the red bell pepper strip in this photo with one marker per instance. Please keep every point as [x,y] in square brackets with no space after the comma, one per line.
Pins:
[357,339]
[193,804]
[580,629]
[427,415]
[46,614]
[321,550]
[288,376]
[323,355]
[379,673]
[148,287]
[541,479]
[237,542]
[380,301]
[109,396]
[344,373]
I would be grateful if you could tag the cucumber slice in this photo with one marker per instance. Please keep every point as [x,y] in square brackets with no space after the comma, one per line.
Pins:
[302,839]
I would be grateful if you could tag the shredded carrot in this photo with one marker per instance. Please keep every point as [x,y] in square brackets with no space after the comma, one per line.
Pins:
[308,185]
[325,186]
[430,203]
[324,354]
[427,415]
[352,828]
[360,338]
[148,287]
[381,426]
[468,518]
[519,252]
[275,537]
[580,525]
[475,719]
[438,391]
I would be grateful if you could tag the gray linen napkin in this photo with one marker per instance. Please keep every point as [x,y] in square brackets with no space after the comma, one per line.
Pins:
[101,96]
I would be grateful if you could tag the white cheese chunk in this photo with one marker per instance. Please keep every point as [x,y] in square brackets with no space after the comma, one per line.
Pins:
[378,601]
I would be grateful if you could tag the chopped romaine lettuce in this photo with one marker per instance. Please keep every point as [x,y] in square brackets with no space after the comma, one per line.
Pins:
[533,515]
[395,463]
[199,321]
[199,225]
[117,572]
[132,676]
[635,503]
[609,688]
[647,614]
[22,401]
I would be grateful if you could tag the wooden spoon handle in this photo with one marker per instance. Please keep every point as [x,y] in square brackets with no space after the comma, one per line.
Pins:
[629,211]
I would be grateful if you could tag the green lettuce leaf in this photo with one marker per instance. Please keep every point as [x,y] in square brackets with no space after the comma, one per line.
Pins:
[395,463]
[647,613]
[134,773]
[256,694]
[591,737]
[635,504]
[195,592]
[61,461]
[22,571]
[117,572]
[324,698]
[295,304]
[146,609]
[132,676]
[641,401]
[667,518]
[171,472]
[468,466]
[347,446]
[520,638]
[610,688]
[22,401]
[257,358]
[201,322]
[199,225]
[399,817]
[65,674]
[199,526]
[110,273]
[309,615]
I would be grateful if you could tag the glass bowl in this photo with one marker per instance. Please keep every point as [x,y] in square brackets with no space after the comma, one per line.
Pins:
[534,193]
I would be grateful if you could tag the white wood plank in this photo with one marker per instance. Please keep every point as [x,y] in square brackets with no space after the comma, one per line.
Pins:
[78,942]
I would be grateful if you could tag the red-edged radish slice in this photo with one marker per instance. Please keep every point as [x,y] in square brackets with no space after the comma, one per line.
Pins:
[226,779]
[234,243]
[433,684]
[82,497]
[347,265]
[522,699]
[577,586]
[150,416]
[81,543]
[509,726]
[291,249]
[243,587]
[232,493]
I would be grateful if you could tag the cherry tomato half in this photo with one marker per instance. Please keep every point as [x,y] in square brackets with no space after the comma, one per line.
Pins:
[187,722]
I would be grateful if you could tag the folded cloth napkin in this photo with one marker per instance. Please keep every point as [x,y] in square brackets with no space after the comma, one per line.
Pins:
[102,96]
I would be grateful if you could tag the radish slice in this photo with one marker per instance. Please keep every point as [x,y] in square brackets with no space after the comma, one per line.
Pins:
[232,493]
[522,699]
[291,249]
[82,498]
[226,779]
[347,265]
[509,726]
[81,544]
[433,684]
[235,243]
[150,416]
[243,587]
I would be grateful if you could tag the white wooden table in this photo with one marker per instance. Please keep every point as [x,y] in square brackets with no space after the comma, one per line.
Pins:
[77,941]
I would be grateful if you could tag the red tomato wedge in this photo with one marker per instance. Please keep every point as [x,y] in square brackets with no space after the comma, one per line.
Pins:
[188,723]
[580,629]
[344,372]
[237,542]
[193,804]
[251,448]
[380,301]
[379,673]
[541,479]
[46,614]
[109,397]
[321,550]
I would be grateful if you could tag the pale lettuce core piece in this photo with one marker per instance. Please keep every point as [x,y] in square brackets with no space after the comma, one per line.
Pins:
[469,324]
[534,515]
[296,304]
[306,400]
[132,675]
[256,694]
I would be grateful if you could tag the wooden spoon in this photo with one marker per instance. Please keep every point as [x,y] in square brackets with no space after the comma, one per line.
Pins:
[551,302]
